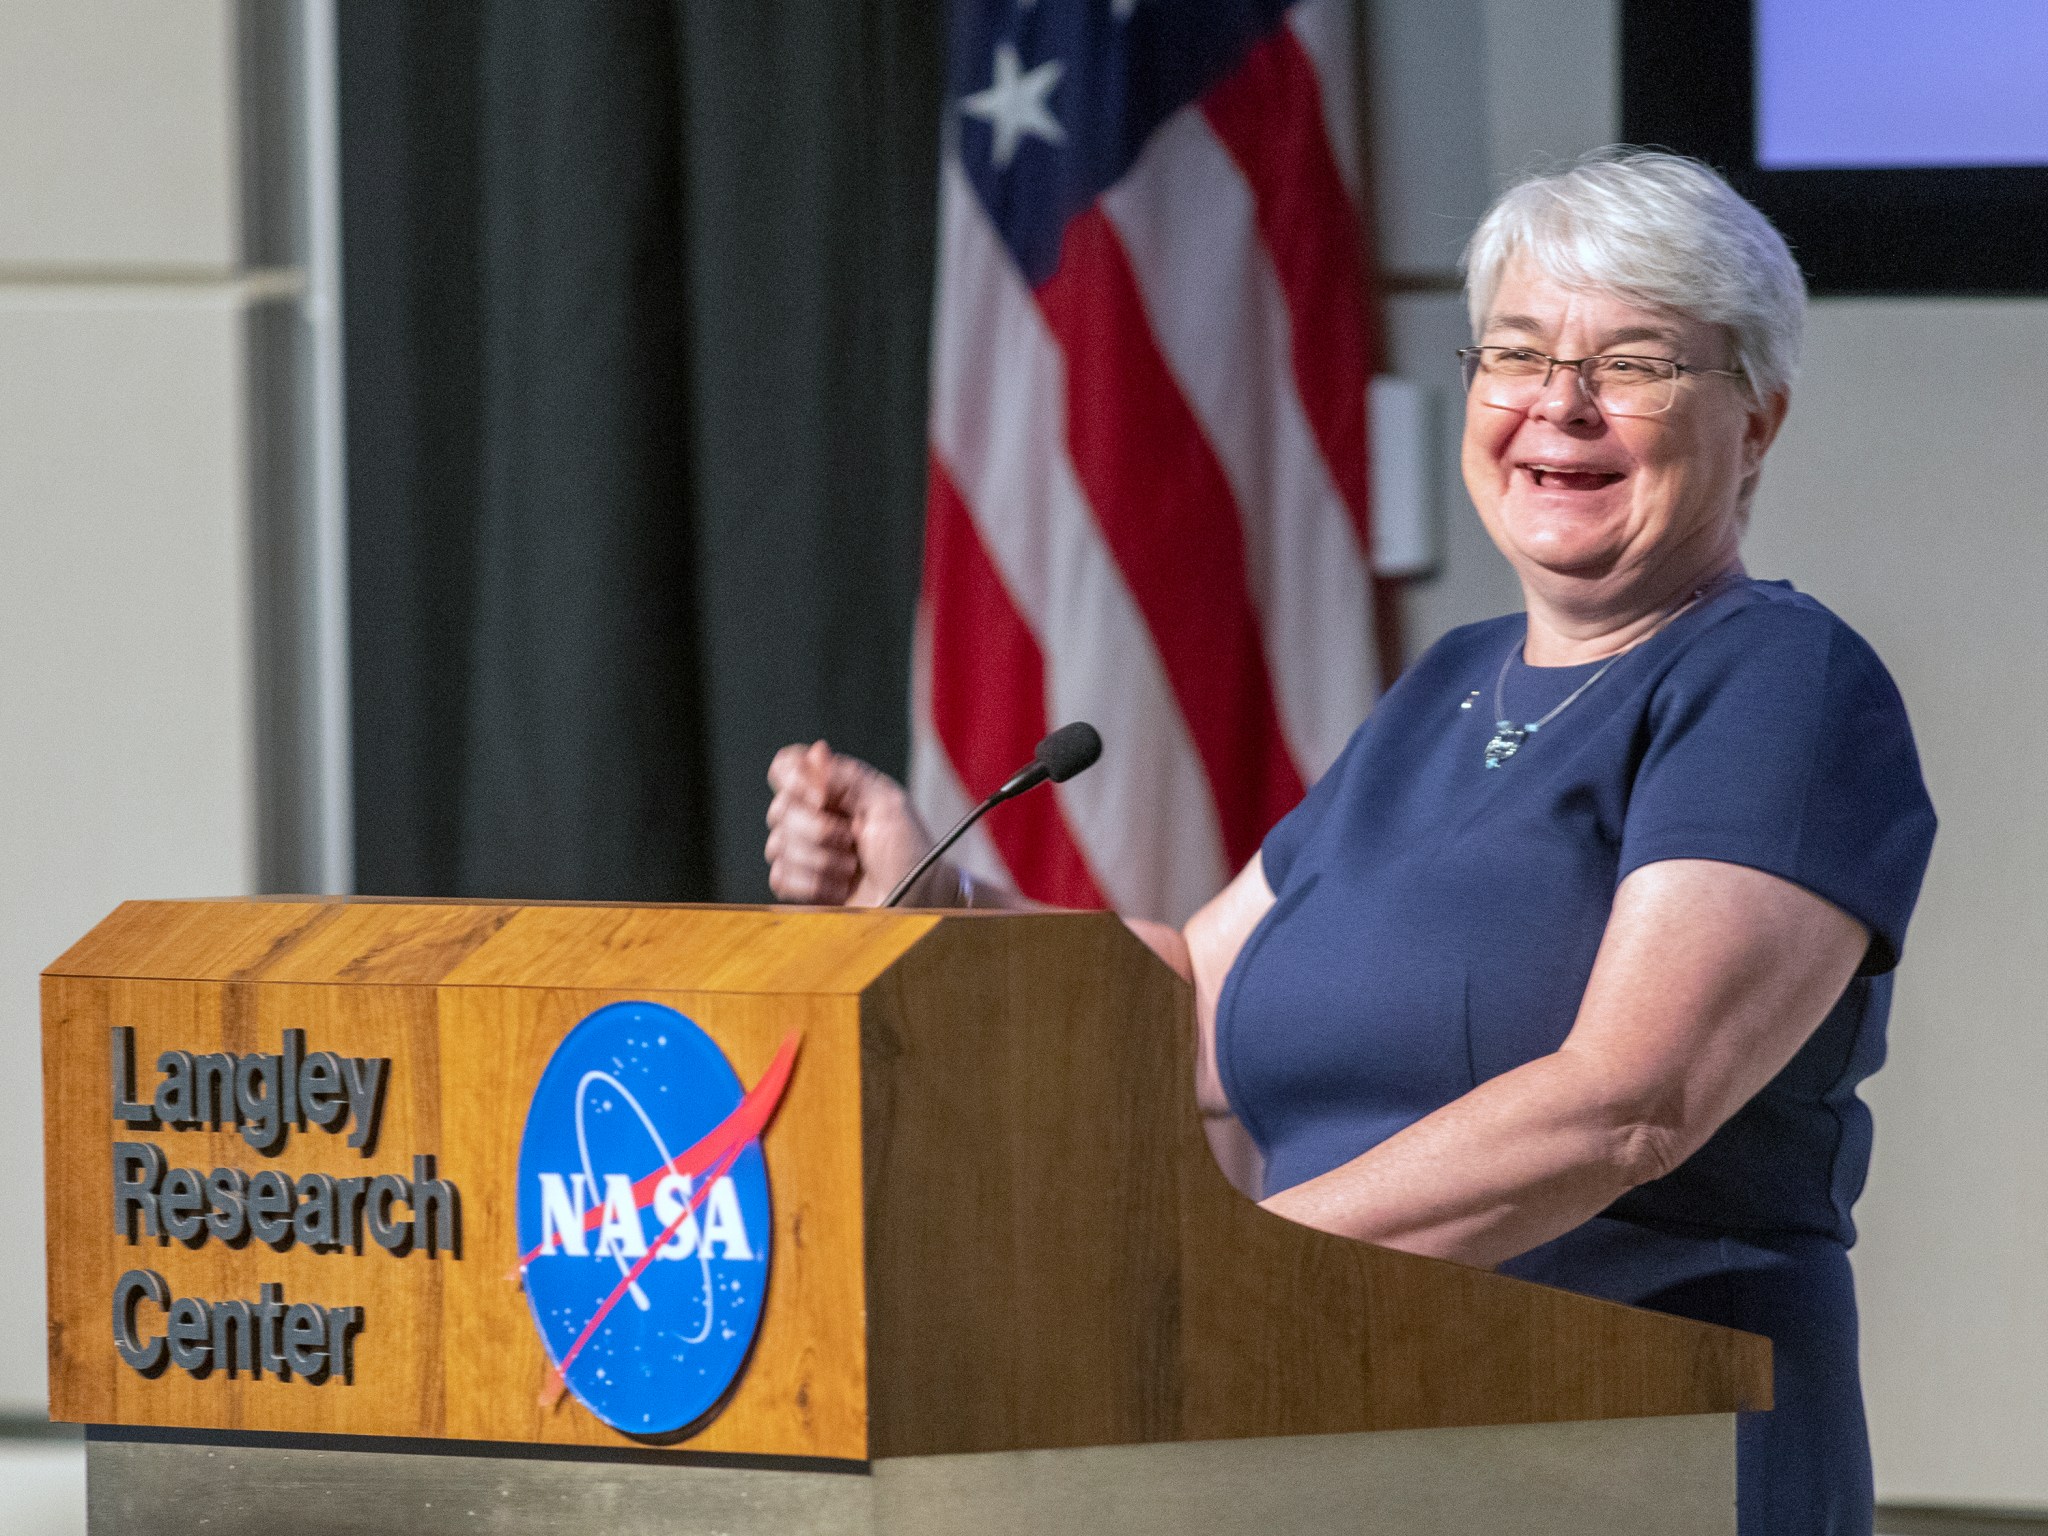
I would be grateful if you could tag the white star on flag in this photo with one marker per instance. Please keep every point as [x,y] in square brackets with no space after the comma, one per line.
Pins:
[1014,103]
[1121,9]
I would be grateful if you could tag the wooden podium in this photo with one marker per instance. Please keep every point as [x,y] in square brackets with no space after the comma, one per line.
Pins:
[1006,1286]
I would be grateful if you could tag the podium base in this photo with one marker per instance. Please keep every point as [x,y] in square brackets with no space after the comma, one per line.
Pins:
[1622,1477]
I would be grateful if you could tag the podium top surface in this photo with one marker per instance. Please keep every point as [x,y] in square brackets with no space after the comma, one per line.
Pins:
[336,941]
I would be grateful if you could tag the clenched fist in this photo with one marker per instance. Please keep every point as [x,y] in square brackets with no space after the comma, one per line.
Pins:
[840,832]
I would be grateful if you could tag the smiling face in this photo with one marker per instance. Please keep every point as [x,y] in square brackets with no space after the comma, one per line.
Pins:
[1596,511]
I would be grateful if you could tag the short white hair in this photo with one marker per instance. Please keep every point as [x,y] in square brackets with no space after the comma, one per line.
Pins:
[1662,231]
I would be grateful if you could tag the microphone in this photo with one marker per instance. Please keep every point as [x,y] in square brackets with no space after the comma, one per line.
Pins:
[1059,757]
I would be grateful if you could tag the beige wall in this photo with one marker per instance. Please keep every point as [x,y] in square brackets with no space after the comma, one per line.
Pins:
[127,760]
[1907,494]
[119,131]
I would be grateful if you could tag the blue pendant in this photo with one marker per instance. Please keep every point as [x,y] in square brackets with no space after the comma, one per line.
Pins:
[1507,741]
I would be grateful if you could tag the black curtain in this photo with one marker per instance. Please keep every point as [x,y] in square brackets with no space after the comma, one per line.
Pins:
[636,309]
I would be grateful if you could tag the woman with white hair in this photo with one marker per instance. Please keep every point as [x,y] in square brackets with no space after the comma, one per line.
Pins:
[1571,964]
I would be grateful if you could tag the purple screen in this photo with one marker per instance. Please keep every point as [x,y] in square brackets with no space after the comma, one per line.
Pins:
[1874,83]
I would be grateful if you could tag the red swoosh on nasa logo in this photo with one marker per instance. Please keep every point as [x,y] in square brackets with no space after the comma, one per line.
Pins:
[716,1152]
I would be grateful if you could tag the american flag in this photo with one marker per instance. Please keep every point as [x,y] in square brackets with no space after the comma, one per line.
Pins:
[1147,505]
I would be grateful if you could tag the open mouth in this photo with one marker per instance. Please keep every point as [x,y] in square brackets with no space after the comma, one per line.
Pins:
[1557,477]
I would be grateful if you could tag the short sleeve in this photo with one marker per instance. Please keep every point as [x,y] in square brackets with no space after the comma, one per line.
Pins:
[1778,741]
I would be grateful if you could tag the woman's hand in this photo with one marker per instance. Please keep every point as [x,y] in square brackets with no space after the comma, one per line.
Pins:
[840,832]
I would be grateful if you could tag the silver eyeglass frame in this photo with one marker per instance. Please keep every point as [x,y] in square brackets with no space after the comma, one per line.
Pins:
[1472,360]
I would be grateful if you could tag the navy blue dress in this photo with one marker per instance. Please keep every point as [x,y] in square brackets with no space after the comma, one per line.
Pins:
[1435,924]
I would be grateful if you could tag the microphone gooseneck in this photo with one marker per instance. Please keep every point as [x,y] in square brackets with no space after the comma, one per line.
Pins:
[1066,752]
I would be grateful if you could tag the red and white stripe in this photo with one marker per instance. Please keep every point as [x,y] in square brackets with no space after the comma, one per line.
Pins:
[1148,496]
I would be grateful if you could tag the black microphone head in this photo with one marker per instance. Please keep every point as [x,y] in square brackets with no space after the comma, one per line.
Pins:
[1068,750]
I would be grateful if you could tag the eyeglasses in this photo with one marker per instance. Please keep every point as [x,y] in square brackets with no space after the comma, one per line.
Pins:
[1514,378]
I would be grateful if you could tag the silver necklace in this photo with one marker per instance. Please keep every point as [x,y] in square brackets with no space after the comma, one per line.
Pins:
[1508,737]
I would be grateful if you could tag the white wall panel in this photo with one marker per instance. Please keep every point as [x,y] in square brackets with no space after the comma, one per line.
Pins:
[1906,494]
[126,759]
[1426,99]
[127,739]
[1424,331]
[118,125]
[1553,82]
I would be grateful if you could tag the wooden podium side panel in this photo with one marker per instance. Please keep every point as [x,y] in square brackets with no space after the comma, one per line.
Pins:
[1376,1339]
[447,1346]
[1022,1221]
[1370,1338]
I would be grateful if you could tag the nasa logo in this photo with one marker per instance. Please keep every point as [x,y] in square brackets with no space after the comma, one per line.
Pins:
[643,1216]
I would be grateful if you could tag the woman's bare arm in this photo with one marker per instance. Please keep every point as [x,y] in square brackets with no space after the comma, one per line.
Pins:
[1203,953]
[1709,978]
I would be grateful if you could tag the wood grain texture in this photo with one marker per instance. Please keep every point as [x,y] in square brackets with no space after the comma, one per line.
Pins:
[188,940]
[448,1348]
[997,1224]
